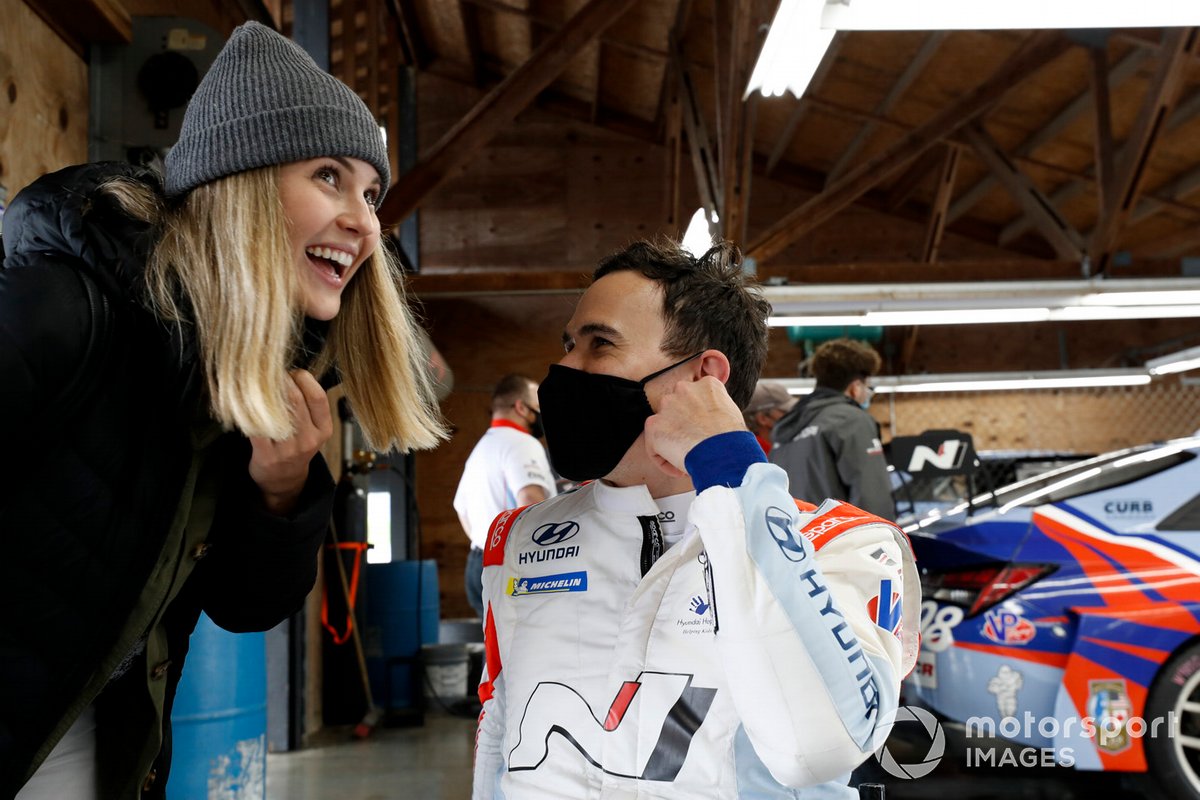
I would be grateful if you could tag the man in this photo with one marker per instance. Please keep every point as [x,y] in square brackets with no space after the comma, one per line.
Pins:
[829,445]
[507,468]
[679,627]
[769,403]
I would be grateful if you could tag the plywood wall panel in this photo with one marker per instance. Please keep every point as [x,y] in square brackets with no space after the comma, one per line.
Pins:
[43,99]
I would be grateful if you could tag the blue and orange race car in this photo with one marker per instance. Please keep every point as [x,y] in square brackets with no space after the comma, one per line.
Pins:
[1063,613]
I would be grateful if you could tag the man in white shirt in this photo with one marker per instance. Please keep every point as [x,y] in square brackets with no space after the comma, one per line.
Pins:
[507,469]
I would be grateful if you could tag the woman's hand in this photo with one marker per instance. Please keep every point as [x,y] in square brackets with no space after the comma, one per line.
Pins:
[281,468]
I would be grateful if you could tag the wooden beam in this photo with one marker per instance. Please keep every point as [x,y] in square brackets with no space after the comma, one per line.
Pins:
[416,54]
[1164,196]
[1036,52]
[798,113]
[551,25]
[1131,171]
[1127,67]
[81,23]
[1104,137]
[736,156]
[349,65]
[673,115]
[596,85]
[911,72]
[1065,240]
[374,26]
[468,16]
[941,203]
[920,168]
[491,281]
[704,162]
[498,108]
[669,84]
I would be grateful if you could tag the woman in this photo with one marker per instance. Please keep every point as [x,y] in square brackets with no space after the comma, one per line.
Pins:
[161,440]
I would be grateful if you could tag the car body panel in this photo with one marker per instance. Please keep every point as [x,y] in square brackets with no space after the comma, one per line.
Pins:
[1088,639]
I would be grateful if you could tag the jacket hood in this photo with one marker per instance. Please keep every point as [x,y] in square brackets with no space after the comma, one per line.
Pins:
[65,213]
[806,411]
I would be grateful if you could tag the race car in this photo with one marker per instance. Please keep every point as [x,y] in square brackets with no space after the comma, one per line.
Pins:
[1062,613]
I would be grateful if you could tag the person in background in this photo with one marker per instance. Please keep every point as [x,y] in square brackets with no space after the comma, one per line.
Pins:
[680,627]
[507,468]
[769,403]
[163,339]
[828,444]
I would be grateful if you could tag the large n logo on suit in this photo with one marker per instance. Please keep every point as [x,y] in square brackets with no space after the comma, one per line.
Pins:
[655,700]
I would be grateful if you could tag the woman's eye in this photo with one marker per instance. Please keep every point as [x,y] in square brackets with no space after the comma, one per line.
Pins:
[328,175]
[372,197]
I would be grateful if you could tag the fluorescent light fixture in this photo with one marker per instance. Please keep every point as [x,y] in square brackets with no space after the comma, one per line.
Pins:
[794,48]
[698,238]
[989,381]
[902,15]
[990,302]
[1182,361]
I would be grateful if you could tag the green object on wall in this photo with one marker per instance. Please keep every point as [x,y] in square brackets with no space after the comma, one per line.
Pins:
[809,336]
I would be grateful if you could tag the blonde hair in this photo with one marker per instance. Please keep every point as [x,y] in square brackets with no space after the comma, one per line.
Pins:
[222,264]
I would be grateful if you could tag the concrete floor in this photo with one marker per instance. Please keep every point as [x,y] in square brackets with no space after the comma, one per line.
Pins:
[432,762]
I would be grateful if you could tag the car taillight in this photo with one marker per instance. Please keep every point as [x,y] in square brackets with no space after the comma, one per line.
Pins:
[979,588]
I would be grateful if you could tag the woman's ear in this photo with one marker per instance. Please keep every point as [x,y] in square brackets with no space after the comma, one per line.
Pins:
[714,363]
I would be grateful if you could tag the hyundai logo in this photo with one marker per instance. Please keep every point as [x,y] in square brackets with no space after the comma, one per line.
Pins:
[555,533]
[779,523]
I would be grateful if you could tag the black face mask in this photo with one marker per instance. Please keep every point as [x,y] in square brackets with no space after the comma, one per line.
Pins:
[535,428]
[591,420]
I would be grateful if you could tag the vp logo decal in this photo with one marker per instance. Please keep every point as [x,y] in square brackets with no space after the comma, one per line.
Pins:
[659,701]
[783,530]
[555,533]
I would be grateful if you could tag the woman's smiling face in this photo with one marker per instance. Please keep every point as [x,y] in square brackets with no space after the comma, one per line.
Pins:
[332,228]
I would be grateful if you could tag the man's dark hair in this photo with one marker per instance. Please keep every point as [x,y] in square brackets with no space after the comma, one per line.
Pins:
[509,390]
[707,303]
[839,362]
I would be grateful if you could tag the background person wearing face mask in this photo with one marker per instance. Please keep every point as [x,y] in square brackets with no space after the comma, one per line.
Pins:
[507,469]
[828,444]
[769,403]
[149,329]
[680,626]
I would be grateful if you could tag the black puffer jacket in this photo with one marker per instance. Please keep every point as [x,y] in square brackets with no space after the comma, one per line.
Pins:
[124,510]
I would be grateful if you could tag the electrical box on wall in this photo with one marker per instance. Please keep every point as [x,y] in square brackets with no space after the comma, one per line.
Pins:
[139,90]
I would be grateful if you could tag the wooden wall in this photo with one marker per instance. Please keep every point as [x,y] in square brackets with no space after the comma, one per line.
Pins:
[43,99]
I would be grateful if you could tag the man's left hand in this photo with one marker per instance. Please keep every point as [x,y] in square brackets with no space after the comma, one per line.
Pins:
[689,413]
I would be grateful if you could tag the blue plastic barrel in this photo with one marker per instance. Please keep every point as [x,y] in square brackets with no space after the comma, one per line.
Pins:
[219,720]
[402,615]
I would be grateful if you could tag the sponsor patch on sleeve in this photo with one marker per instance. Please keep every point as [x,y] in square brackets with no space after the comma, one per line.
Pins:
[843,517]
[493,552]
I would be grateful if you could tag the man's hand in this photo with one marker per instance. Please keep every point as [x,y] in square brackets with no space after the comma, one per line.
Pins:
[281,468]
[689,413]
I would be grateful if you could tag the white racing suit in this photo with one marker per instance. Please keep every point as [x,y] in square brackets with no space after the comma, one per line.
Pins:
[761,653]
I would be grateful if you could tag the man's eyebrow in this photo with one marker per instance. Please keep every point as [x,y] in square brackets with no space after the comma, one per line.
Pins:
[592,329]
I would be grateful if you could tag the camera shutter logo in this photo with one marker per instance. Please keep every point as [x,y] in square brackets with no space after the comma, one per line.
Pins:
[555,533]
[937,743]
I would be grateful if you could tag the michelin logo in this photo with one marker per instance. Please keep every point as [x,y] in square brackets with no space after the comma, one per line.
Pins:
[548,584]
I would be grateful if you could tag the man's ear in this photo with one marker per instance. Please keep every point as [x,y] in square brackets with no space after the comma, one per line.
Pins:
[714,363]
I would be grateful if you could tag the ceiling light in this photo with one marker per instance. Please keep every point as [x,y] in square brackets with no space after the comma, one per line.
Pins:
[899,15]
[989,381]
[1175,298]
[698,238]
[794,48]
[1182,361]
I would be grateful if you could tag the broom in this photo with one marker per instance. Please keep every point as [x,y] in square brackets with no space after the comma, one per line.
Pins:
[374,713]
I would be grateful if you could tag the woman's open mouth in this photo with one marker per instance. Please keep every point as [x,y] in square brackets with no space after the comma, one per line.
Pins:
[332,265]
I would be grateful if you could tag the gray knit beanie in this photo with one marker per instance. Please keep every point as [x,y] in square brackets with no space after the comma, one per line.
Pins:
[264,101]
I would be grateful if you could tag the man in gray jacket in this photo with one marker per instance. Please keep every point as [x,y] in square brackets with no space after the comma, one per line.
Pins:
[828,444]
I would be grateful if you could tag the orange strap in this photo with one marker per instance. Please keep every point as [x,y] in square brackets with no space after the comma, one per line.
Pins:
[359,548]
